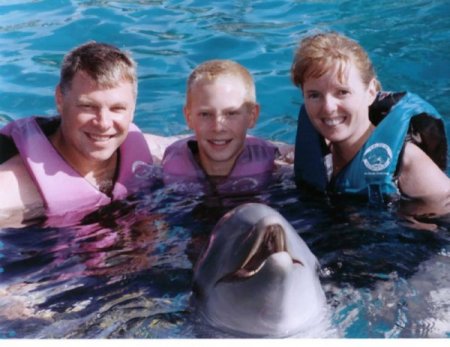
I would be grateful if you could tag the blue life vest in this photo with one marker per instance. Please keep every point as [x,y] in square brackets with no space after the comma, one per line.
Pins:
[373,169]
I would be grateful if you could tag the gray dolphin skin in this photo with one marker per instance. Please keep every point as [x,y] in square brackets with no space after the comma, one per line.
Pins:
[257,277]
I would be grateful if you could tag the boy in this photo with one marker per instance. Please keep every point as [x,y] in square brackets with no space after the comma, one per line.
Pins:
[220,108]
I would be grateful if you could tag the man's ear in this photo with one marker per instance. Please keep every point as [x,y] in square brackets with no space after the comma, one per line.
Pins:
[59,99]
[188,116]
[254,114]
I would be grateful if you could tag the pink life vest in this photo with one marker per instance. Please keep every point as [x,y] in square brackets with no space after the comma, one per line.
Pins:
[251,171]
[62,188]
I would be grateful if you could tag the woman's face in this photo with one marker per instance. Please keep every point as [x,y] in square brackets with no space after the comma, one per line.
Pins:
[339,107]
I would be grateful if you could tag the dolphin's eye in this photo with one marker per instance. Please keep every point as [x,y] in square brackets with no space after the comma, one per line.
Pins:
[197,291]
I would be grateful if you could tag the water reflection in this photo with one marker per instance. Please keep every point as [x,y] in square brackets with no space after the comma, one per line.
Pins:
[125,270]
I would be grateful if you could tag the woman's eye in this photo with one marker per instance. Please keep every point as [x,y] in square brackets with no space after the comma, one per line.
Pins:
[312,95]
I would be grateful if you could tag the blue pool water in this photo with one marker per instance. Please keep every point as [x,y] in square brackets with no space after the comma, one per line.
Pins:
[125,270]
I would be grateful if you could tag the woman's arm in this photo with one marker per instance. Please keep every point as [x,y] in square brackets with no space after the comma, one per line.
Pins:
[420,177]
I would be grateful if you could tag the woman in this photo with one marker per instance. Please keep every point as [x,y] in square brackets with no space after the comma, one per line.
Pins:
[353,139]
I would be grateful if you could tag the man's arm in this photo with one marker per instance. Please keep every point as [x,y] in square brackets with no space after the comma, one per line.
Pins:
[20,199]
[158,145]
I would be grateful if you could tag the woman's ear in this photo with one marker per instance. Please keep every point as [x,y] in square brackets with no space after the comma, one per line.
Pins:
[372,90]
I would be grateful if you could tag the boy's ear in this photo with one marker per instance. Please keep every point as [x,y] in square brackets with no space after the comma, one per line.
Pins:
[187,116]
[254,114]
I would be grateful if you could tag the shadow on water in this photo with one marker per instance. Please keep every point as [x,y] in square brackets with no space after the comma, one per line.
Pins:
[125,270]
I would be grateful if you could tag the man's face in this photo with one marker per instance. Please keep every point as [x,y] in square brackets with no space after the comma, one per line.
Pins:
[220,114]
[94,120]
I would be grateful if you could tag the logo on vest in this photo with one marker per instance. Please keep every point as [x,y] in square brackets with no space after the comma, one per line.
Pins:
[377,157]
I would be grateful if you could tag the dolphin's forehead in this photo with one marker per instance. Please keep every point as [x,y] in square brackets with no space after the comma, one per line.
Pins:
[243,224]
[253,212]
[247,215]
[240,220]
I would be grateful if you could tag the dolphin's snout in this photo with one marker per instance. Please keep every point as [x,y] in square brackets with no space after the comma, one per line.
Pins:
[269,241]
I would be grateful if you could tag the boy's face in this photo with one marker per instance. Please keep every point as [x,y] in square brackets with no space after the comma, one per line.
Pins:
[220,114]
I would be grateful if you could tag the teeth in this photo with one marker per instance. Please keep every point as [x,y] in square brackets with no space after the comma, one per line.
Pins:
[334,121]
[269,242]
[99,137]
[219,142]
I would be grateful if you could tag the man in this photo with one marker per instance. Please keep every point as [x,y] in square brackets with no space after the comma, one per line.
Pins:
[86,156]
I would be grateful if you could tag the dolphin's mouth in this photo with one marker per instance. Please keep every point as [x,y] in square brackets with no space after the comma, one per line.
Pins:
[272,240]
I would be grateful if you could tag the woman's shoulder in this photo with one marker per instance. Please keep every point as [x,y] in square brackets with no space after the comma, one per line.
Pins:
[419,175]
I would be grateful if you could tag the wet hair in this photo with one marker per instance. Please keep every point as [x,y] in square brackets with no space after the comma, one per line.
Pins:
[213,69]
[107,65]
[319,53]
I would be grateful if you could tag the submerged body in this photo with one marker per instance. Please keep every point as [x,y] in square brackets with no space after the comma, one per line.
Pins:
[257,277]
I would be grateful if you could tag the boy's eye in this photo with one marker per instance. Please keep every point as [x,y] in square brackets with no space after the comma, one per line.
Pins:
[343,92]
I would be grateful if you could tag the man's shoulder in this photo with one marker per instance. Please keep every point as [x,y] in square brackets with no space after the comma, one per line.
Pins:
[18,188]
[158,144]
[14,176]
[13,166]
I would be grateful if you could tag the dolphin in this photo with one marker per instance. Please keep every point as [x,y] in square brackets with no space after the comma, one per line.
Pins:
[257,277]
